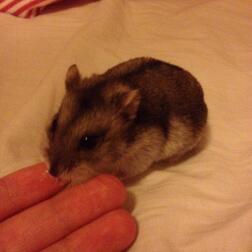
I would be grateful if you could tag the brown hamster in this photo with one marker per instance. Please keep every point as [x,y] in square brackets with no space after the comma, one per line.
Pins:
[120,122]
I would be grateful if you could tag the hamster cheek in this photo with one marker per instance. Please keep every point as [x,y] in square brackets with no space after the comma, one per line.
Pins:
[79,175]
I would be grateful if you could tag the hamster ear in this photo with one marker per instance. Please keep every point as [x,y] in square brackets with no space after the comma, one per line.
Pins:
[73,78]
[130,101]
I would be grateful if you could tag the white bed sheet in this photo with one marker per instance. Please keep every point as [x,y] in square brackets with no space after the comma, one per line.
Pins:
[201,204]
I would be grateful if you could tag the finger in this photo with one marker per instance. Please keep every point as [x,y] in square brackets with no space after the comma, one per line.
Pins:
[25,188]
[112,232]
[51,220]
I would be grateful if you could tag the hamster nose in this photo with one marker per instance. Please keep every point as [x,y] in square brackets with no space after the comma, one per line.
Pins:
[53,170]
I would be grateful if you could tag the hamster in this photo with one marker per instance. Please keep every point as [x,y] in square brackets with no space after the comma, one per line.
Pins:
[122,121]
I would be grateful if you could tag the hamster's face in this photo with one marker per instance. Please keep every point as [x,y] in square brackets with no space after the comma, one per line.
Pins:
[91,126]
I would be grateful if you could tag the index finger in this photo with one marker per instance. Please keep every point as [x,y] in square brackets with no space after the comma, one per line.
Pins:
[25,188]
[53,219]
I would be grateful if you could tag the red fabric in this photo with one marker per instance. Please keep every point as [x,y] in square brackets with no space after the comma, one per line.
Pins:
[24,8]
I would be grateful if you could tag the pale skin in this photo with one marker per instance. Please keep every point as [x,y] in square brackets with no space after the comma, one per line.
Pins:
[37,213]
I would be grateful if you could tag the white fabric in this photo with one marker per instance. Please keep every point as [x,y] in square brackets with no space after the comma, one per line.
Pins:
[201,204]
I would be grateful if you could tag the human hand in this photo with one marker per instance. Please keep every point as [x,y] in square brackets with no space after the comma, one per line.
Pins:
[36,214]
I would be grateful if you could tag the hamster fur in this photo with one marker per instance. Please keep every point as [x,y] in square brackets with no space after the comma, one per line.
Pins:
[121,122]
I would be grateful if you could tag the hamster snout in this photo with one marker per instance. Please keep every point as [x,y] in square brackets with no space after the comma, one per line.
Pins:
[120,122]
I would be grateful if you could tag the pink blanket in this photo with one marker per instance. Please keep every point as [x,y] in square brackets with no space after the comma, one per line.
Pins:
[24,8]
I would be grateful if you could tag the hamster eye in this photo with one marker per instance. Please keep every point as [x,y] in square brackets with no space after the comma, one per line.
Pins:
[89,142]
[52,128]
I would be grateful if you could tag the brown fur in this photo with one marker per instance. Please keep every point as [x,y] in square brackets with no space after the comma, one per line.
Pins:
[142,110]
